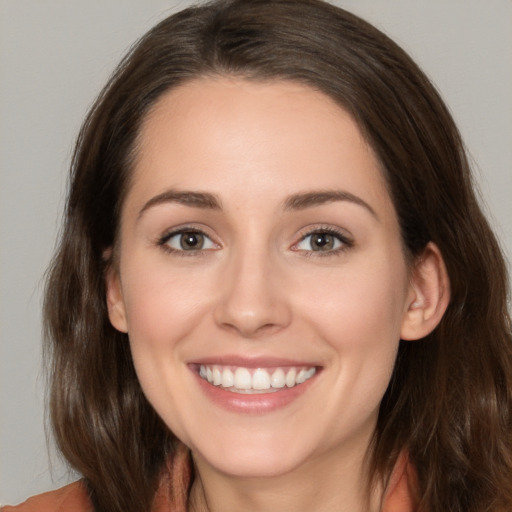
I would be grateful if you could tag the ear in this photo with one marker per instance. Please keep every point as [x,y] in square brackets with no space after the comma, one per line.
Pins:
[429,295]
[115,299]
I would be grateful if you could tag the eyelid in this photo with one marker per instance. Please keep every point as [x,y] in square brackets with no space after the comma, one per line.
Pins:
[342,236]
[162,241]
[345,239]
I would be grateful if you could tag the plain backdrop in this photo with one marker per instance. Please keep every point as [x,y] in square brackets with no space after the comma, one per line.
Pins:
[55,55]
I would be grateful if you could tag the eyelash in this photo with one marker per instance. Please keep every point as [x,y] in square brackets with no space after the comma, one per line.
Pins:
[346,242]
[164,239]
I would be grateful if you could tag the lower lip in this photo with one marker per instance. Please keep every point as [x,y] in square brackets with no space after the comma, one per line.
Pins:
[258,403]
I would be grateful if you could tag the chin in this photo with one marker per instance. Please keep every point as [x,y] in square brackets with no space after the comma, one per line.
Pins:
[257,459]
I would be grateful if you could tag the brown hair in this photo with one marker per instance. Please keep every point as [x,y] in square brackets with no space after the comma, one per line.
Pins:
[449,400]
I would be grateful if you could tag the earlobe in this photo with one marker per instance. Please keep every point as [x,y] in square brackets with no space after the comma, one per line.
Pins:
[429,295]
[115,300]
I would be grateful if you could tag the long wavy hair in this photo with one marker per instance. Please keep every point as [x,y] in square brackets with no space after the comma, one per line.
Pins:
[449,400]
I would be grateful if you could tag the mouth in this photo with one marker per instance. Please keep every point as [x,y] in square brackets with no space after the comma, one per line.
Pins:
[254,385]
[250,381]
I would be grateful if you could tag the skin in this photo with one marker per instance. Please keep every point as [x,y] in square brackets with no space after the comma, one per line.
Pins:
[258,289]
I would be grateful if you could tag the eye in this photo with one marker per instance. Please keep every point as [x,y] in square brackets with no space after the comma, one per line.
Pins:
[323,241]
[187,240]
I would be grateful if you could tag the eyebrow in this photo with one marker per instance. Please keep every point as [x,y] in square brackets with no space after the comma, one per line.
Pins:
[188,198]
[320,197]
[299,201]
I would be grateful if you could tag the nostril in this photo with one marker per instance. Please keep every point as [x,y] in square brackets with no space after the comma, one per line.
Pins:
[248,329]
[252,320]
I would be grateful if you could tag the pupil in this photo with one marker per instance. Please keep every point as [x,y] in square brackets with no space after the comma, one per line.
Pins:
[191,241]
[322,241]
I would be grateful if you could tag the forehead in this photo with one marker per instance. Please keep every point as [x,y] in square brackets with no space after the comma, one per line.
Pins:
[238,108]
[230,134]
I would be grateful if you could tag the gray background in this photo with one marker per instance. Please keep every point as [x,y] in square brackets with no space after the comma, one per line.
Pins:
[54,57]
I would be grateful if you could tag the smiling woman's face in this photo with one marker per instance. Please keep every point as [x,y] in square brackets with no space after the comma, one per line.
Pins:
[261,276]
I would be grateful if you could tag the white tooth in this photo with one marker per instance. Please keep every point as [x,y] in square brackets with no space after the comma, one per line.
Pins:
[217,376]
[301,377]
[202,372]
[243,379]
[311,372]
[260,379]
[290,377]
[277,380]
[227,378]
[209,374]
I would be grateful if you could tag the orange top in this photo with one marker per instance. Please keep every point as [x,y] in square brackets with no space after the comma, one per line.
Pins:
[171,495]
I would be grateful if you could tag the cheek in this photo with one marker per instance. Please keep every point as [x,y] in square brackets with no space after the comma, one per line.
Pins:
[359,307]
[358,314]
[158,297]
[162,309]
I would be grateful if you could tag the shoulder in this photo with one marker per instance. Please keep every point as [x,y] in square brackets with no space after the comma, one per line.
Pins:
[71,497]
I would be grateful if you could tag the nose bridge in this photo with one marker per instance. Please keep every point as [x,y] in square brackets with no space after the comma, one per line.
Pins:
[251,299]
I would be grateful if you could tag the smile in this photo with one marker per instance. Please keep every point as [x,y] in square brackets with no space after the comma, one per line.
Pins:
[255,380]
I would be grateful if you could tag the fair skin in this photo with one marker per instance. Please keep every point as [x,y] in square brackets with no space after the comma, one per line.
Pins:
[258,232]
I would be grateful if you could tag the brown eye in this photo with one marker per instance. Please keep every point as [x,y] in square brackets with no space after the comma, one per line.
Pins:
[191,241]
[322,242]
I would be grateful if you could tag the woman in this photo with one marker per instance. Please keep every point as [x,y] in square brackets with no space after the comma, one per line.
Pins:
[275,286]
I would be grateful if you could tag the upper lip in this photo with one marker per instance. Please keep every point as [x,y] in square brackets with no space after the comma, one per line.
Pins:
[251,362]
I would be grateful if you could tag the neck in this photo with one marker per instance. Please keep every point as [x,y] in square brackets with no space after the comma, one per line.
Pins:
[327,485]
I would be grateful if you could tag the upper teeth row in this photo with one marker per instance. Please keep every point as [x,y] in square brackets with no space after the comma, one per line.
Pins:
[241,378]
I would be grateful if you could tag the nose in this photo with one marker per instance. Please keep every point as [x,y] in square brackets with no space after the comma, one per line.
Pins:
[252,300]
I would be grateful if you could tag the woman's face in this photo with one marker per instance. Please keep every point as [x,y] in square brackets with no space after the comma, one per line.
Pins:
[261,276]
